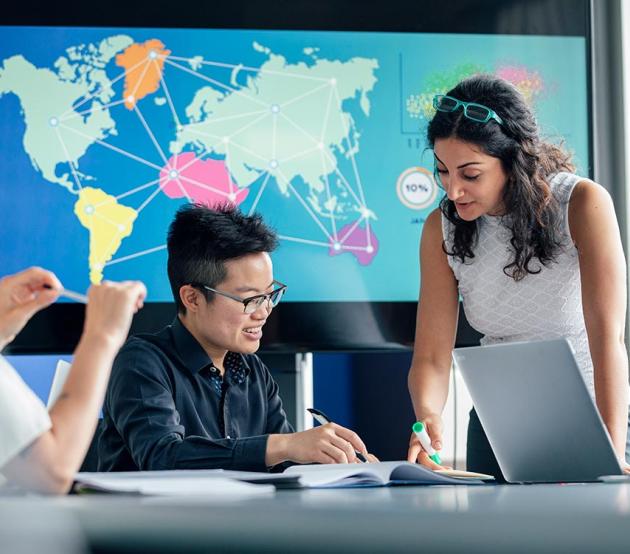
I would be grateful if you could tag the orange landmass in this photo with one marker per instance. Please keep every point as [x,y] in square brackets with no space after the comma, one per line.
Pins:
[143,64]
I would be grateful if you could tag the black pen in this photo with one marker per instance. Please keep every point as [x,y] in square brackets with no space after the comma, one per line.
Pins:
[323,419]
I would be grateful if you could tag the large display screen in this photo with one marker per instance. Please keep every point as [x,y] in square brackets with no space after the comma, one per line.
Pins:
[105,132]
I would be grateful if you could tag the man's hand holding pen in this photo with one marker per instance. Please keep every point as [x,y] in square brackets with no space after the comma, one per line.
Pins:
[327,444]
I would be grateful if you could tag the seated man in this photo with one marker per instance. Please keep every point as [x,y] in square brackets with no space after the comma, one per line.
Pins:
[40,450]
[195,395]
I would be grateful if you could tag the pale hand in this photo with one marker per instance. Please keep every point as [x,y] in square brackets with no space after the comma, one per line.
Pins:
[21,296]
[326,444]
[110,310]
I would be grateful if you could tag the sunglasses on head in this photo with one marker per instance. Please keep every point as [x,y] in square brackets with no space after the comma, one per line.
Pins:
[475,112]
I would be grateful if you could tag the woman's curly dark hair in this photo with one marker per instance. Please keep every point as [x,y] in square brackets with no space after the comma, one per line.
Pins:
[533,213]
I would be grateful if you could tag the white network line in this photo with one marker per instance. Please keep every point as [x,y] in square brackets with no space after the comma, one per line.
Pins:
[351,230]
[136,255]
[260,191]
[217,83]
[247,68]
[168,97]
[150,133]
[97,108]
[304,241]
[139,82]
[99,90]
[112,147]
[128,193]
[183,190]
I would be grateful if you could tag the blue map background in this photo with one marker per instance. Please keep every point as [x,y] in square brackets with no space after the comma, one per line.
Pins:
[39,225]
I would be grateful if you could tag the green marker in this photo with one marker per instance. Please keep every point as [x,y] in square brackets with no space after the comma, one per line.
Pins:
[421,432]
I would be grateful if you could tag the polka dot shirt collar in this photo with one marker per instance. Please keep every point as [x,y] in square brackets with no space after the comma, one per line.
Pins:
[236,371]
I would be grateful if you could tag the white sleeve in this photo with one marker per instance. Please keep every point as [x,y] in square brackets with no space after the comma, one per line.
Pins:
[23,416]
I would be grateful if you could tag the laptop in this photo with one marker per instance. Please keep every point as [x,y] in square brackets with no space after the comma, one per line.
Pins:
[539,417]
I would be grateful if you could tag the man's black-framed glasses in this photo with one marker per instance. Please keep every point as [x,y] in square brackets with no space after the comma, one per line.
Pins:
[253,303]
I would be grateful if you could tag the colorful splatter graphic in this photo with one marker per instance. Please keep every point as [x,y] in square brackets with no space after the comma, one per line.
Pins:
[528,82]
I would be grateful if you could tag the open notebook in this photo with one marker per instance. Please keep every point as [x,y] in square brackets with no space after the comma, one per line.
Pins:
[381,474]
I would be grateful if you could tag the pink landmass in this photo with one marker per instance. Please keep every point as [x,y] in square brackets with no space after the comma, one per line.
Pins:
[355,241]
[204,181]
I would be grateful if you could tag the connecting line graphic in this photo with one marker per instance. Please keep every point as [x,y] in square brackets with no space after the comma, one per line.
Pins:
[111,147]
[215,82]
[132,98]
[148,200]
[168,95]
[260,192]
[136,255]
[256,70]
[280,147]
[128,193]
[89,111]
[304,241]
[99,90]
[150,133]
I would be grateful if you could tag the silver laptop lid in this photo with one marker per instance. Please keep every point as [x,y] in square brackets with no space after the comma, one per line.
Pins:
[536,410]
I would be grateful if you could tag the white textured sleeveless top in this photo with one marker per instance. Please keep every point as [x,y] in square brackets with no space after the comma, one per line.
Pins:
[540,306]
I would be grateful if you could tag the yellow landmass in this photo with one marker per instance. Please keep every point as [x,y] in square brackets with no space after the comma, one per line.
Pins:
[143,66]
[108,223]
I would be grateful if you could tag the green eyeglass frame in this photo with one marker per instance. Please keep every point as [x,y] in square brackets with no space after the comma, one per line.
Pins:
[472,110]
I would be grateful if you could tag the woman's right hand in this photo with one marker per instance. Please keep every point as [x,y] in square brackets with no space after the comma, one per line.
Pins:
[433,424]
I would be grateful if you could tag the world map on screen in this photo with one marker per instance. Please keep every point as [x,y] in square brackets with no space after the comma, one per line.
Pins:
[108,132]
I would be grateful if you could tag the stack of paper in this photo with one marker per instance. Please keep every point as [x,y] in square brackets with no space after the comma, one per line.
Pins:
[173,483]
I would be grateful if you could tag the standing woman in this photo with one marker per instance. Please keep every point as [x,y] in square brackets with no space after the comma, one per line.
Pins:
[533,249]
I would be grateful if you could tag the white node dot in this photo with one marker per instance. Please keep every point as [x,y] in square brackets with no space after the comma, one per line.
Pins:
[275,108]
[226,139]
[173,174]
[369,249]
[53,121]
[333,81]
[152,55]
[121,227]
[273,164]
[232,197]
[337,246]
[320,145]
[131,99]
[89,209]
[98,267]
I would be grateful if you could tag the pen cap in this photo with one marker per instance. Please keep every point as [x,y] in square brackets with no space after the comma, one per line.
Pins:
[417,427]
